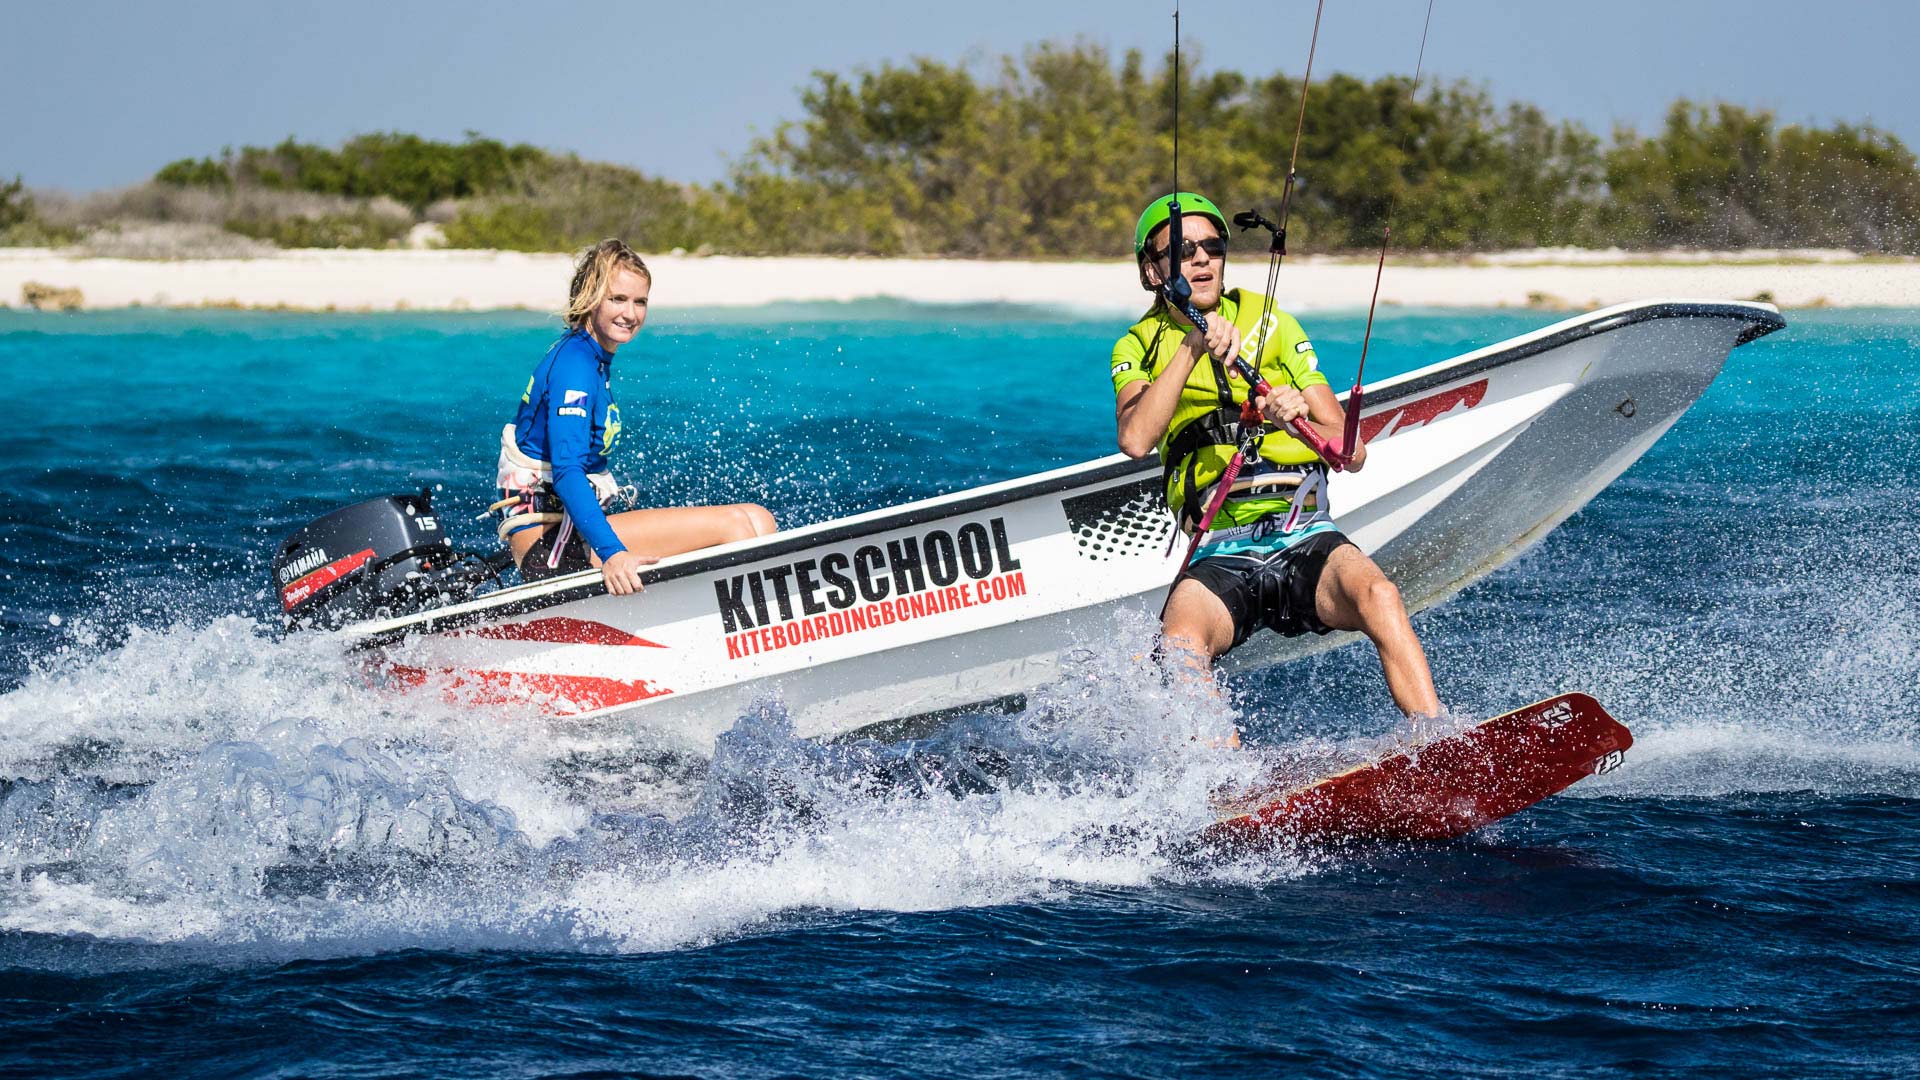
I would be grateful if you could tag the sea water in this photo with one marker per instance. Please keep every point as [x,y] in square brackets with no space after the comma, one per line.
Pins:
[221,852]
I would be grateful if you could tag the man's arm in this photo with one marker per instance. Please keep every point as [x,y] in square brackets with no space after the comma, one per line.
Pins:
[1318,408]
[1142,409]
[1325,415]
[1315,404]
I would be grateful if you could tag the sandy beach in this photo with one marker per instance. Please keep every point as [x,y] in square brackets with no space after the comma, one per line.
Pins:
[358,280]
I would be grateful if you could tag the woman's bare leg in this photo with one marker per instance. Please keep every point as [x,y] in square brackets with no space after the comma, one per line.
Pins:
[677,529]
[669,530]
[520,542]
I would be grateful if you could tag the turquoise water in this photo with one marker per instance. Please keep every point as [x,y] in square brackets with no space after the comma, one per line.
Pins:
[221,850]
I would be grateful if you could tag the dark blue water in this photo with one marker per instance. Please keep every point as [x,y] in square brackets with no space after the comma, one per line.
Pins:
[222,854]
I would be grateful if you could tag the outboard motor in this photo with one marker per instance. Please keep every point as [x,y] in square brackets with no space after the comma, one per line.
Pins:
[376,559]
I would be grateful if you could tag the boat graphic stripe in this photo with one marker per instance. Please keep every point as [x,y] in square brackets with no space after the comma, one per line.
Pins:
[561,631]
[556,695]
[1424,411]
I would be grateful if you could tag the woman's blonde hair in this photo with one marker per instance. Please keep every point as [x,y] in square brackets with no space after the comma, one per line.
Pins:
[593,277]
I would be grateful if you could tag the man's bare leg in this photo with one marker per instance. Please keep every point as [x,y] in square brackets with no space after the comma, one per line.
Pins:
[1354,595]
[1195,629]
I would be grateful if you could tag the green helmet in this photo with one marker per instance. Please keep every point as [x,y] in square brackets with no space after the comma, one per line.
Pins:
[1156,215]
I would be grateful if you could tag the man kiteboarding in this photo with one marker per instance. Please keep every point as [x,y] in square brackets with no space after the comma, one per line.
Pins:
[1270,555]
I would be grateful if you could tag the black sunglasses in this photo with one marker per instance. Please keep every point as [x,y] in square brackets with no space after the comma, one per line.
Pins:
[1215,246]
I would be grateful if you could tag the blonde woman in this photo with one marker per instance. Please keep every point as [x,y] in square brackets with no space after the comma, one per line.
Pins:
[553,473]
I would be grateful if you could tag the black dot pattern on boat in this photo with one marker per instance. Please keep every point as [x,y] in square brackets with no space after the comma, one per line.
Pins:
[1120,522]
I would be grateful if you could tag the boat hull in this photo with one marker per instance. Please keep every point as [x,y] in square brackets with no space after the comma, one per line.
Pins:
[975,597]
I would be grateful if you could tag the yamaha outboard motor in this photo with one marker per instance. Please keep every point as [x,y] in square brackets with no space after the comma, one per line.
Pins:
[376,559]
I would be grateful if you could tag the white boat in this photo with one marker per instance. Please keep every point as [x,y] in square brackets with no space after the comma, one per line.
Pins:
[973,597]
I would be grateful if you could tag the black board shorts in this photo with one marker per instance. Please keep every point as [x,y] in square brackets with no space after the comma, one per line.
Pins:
[573,556]
[1271,589]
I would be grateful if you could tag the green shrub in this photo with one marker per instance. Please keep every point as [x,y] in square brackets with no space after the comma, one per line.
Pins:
[1052,153]
[16,206]
[514,226]
[1056,155]
[568,203]
[1723,176]
[20,221]
[407,168]
[360,229]
[196,172]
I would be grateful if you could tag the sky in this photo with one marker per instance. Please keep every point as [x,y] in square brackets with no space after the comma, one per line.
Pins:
[100,94]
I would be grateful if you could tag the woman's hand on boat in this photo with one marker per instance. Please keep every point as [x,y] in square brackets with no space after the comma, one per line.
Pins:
[1281,406]
[622,572]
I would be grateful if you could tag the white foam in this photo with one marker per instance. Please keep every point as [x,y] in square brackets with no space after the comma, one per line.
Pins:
[44,906]
[207,783]
[1709,760]
[211,784]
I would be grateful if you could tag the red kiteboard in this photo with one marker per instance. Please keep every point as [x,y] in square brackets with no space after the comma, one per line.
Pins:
[1439,790]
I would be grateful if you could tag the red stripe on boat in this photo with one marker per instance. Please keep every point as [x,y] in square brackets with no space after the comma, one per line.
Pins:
[558,695]
[562,631]
[1424,411]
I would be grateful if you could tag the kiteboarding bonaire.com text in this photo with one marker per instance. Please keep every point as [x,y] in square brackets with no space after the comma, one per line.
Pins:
[885,613]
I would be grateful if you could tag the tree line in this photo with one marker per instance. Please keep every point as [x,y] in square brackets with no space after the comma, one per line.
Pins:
[1052,154]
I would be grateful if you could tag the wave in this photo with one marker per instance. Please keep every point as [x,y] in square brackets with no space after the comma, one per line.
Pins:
[213,787]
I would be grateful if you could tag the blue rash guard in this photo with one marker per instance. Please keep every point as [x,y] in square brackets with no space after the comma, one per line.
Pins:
[567,417]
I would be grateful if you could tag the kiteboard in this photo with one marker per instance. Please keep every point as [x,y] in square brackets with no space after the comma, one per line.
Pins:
[1435,791]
